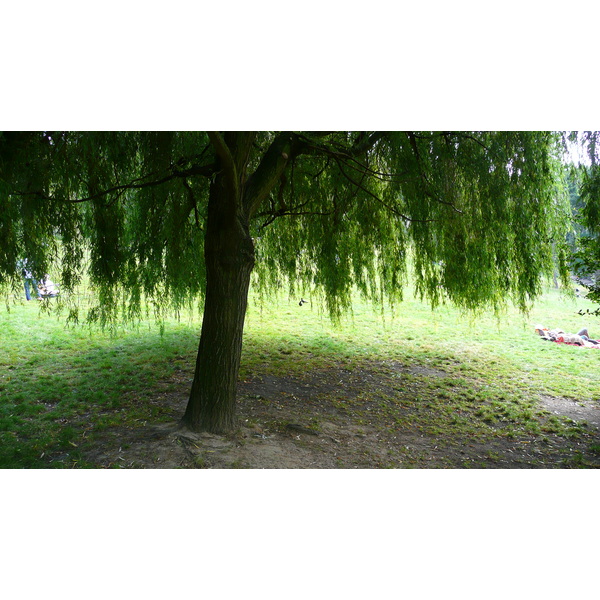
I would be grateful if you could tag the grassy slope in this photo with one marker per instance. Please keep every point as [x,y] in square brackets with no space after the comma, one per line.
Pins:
[59,385]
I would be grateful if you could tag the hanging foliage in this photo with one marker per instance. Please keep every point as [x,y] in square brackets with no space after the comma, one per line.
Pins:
[475,218]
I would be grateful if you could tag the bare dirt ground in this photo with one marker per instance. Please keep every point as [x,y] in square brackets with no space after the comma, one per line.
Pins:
[300,423]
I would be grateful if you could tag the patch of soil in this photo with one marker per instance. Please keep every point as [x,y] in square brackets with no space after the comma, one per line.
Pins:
[577,410]
[339,419]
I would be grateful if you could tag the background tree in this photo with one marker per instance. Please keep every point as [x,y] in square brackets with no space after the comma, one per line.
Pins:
[585,201]
[172,216]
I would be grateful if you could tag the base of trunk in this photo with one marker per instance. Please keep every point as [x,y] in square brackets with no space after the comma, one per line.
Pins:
[212,417]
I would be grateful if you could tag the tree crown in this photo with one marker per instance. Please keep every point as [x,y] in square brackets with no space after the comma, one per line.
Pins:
[482,215]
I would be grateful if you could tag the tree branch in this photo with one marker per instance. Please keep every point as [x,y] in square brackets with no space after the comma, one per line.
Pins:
[291,213]
[227,163]
[362,145]
[221,149]
[205,170]
[425,184]
[384,204]
[192,199]
[366,143]
[268,173]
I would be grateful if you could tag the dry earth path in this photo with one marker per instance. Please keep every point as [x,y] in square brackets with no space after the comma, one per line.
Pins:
[342,418]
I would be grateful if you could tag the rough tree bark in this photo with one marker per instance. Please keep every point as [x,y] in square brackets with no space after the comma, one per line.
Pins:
[235,197]
[229,253]
[229,256]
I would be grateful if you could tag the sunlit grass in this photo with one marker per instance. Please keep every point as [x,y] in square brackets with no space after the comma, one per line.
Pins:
[52,377]
[59,385]
[501,348]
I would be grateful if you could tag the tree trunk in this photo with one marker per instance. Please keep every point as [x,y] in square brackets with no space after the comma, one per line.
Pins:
[229,256]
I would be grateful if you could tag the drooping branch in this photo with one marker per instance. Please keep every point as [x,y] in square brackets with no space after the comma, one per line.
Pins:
[349,156]
[392,209]
[292,213]
[465,136]
[203,170]
[271,172]
[363,143]
[423,176]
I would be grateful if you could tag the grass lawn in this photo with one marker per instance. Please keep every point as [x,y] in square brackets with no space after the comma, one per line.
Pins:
[62,387]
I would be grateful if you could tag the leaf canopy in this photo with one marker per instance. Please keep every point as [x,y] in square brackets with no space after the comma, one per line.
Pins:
[480,217]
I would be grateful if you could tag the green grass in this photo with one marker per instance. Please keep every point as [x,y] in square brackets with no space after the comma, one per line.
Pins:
[498,351]
[496,367]
[59,385]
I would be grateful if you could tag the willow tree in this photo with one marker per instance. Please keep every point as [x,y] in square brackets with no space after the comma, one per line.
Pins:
[586,181]
[168,217]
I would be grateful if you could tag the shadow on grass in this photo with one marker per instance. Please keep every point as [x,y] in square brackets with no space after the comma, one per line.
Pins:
[55,398]
[80,392]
